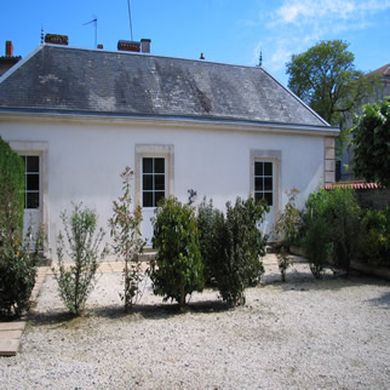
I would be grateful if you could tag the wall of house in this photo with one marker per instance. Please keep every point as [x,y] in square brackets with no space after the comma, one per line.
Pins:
[84,162]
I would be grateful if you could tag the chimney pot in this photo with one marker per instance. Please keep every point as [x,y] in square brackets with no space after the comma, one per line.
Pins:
[99,46]
[9,49]
[57,39]
[133,46]
[145,45]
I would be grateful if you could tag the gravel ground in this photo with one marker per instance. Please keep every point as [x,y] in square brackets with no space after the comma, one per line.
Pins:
[303,334]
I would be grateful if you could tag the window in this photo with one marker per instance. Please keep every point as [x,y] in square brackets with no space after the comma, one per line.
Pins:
[31,182]
[153,181]
[263,185]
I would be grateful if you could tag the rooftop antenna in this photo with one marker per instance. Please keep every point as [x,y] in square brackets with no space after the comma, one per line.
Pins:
[130,22]
[260,59]
[42,35]
[94,21]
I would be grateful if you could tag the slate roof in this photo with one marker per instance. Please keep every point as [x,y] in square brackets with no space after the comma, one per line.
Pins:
[69,80]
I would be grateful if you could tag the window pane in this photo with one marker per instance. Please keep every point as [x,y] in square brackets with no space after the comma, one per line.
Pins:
[259,184]
[147,165]
[258,196]
[159,182]
[258,168]
[32,182]
[268,198]
[147,182]
[147,199]
[159,165]
[268,183]
[32,164]
[158,196]
[268,169]
[32,199]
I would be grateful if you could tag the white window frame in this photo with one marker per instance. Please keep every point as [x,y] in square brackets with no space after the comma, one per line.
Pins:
[274,156]
[153,151]
[26,173]
[153,174]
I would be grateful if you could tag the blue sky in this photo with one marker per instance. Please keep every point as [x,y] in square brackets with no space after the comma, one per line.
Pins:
[230,31]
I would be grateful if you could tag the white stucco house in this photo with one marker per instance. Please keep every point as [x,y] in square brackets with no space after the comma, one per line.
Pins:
[80,116]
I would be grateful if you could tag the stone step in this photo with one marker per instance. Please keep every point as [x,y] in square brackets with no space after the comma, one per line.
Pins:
[9,347]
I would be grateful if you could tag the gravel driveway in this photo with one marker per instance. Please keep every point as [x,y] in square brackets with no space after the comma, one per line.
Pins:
[303,334]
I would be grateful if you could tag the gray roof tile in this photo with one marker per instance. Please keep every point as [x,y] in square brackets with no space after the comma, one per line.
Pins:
[77,80]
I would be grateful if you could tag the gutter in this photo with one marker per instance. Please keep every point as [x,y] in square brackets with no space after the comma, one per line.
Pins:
[167,121]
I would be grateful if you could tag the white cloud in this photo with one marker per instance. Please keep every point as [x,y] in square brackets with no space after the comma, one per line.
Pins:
[309,12]
[298,24]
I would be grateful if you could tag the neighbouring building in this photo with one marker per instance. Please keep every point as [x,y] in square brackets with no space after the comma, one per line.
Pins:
[79,117]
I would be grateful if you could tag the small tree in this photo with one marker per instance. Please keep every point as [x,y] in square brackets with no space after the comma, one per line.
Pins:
[239,245]
[372,143]
[287,228]
[76,280]
[127,242]
[178,268]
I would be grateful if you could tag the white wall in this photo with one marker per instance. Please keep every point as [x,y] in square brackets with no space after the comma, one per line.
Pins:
[84,162]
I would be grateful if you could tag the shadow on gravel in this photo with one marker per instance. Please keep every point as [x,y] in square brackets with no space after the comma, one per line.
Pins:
[382,301]
[161,311]
[151,311]
[305,282]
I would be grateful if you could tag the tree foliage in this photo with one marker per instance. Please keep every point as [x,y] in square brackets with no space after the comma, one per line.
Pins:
[325,78]
[372,143]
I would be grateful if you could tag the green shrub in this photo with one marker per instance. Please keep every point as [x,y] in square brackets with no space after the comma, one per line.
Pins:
[375,243]
[178,268]
[127,242]
[207,218]
[76,279]
[11,194]
[287,229]
[17,272]
[317,242]
[335,217]
[17,279]
[239,245]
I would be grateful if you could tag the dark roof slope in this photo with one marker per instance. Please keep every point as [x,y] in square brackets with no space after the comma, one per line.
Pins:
[77,80]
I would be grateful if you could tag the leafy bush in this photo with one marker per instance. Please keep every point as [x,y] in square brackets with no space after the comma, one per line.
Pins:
[287,229]
[17,279]
[207,218]
[17,272]
[127,241]
[178,268]
[317,241]
[76,280]
[375,243]
[11,194]
[239,245]
[334,217]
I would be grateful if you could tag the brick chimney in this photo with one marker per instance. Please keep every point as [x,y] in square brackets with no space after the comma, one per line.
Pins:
[142,46]
[9,49]
[9,59]
[145,45]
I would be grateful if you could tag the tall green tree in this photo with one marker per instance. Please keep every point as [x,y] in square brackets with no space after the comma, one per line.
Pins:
[325,78]
[372,143]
